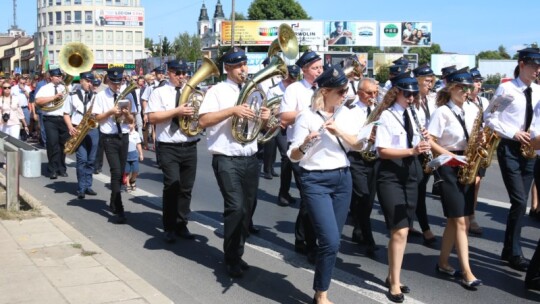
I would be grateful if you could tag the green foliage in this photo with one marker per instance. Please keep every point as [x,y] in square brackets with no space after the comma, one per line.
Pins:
[238,16]
[166,46]
[494,79]
[276,10]
[393,49]
[383,74]
[424,53]
[188,47]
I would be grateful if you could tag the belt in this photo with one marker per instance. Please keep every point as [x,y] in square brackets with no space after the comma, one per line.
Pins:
[24,107]
[342,169]
[53,117]
[115,135]
[234,157]
[181,144]
[458,152]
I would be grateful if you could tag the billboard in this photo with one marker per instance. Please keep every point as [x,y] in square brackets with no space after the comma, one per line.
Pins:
[263,32]
[380,59]
[439,61]
[415,33]
[390,33]
[254,62]
[117,17]
[350,33]
[335,58]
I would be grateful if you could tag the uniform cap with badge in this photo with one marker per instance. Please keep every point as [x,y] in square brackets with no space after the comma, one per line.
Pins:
[332,77]
[475,73]
[87,75]
[234,56]
[461,76]
[55,72]
[307,58]
[530,55]
[115,75]
[293,70]
[405,82]
[423,71]
[447,70]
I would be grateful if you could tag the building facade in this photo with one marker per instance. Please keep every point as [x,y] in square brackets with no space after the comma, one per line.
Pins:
[16,52]
[210,33]
[112,29]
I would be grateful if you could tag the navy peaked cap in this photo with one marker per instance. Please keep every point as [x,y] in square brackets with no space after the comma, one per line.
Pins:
[405,82]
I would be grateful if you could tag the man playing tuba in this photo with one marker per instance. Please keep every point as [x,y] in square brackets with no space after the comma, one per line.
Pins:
[235,165]
[177,152]
[55,128]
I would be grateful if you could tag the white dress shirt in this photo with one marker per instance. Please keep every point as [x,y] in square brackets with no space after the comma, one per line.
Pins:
[220,140]
[74,107]
[48,91]
[326,153]
[391,130]
[297,97]
[512,119]
[446,127]
[104,102]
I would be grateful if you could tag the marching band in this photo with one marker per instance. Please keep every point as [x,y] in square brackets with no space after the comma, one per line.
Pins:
[343,154]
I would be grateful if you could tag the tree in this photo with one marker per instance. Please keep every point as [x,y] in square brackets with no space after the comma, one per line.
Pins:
[239,16]
[276,10]
[166,46]
[187,47]
[494,79]
[424,53]
[503,52]
[383,73]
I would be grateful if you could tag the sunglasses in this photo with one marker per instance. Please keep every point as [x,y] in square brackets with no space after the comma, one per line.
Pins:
[179,73]
[6,88]
[343,91]
[408,94]
[466,89]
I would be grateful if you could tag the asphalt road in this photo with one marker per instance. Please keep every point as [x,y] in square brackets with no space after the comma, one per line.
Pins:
[193,271]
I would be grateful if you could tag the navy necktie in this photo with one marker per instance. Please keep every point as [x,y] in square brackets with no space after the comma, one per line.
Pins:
[528,108]
[175,123]
[118,126]
[408,128]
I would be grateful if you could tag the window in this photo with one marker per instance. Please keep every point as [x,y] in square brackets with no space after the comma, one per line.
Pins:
[119,37]
[77,36]
[88,2]
[58,18]
[43,19]
[99,56]
[117,2]
[109,38]
[59,37]
[98,2]
[78,17]
[129,38]
[138,55]
[109,56]
[67,16]
[138,38]
[129,57]
[88,17]
[67,37]
[50,19]
[99,37]
[119,56]
[88,37]
[51,57]
[50,2]
[108,2]
[58,2]
[67,2]
[51,37]
[77,2]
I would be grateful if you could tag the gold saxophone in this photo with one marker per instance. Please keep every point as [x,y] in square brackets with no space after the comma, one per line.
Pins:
[88,122]
[491,142]
[527,151]
[475,154]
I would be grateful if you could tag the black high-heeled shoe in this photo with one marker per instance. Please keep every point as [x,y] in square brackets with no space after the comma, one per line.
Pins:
[403,288]
[398,298]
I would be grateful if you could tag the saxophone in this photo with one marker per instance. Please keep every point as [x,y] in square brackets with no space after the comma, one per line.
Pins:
[475,154]
[368,154]
[491,143]
[526,150]
[88,122]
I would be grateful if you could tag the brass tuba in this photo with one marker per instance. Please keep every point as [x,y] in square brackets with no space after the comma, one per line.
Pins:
[74,58]
[193,97]
[273,125]
[241,129]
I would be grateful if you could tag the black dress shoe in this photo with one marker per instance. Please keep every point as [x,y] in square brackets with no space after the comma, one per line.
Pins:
[254,230]
[63,174]
[53,176]
[80,195]
[398,298]
[121,218]
[403,288]
[274,174]
[370,251]
[112,208]
[184,233]
[283,201]
[89,191]
[518,263]
[169,237]
[243,265]
[471,284]
[97,171]
[357,238]
[267,176]
[533,284]
[235,270]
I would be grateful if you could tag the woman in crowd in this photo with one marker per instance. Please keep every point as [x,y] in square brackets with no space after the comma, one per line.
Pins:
[398,144]
[450,128]
[12,113]
[322,136]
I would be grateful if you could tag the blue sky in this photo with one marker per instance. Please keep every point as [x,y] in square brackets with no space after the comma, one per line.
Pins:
[465,27]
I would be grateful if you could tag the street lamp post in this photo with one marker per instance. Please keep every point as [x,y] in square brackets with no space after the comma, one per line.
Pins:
[160,51]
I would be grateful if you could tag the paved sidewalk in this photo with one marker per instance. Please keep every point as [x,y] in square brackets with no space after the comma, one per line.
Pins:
[45,260]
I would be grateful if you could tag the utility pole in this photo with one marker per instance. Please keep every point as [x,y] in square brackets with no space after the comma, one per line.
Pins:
[14,13]
[232,24]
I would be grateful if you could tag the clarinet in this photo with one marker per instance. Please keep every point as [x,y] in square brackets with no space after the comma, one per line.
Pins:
[321,129]
[428,154]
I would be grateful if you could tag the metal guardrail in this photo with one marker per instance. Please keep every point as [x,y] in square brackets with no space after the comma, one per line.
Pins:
[14,150]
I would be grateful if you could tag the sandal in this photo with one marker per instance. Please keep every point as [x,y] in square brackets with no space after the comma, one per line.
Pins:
[474,228]
[133,186]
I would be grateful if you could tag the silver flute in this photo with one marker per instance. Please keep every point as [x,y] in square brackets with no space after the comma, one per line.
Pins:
[322,128]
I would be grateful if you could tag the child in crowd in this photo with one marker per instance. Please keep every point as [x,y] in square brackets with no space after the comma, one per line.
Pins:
[135,154]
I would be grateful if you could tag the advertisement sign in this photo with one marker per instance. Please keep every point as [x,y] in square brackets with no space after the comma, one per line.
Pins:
[390,33]
[351,33]
[264,32]
[254,62]
[117,17]
[415,33]
[335,58]
[386,59]
[439,61]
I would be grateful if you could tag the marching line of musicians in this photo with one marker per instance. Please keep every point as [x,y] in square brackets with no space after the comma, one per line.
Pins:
[338,166]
